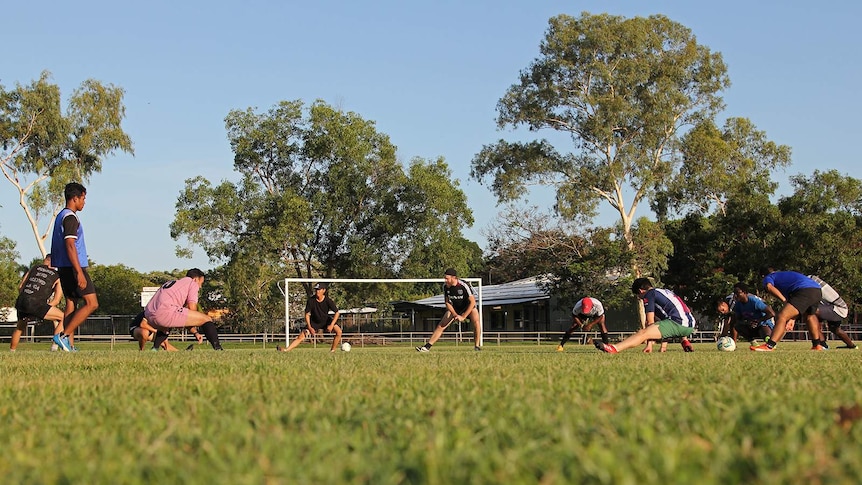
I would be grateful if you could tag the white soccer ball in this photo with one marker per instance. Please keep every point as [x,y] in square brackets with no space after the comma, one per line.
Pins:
[345,347]
[726,344]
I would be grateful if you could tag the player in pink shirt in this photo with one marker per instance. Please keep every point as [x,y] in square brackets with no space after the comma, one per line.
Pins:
[175,305]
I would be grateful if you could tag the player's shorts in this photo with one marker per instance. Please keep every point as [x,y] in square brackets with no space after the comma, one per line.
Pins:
[135,324]
[827,312]
[69,282]
[172,317]
[805,301]
[321,326]
[670,329]
[30,308]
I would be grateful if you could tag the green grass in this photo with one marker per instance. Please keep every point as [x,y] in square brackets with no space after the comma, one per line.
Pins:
[510,414]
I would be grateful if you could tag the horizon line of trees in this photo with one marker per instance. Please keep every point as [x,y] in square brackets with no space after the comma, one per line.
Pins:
[631,108]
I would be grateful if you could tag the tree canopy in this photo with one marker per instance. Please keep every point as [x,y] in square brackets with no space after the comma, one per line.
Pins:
[43,148]
[321,194]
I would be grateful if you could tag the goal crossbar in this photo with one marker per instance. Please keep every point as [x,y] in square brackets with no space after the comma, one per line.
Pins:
[288,281]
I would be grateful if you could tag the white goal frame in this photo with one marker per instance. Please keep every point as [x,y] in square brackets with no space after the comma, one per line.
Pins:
[288,281]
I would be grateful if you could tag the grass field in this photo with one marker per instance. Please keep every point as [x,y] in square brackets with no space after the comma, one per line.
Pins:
[507,415]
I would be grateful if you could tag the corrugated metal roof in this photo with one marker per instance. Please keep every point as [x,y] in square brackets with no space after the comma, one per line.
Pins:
[520,291]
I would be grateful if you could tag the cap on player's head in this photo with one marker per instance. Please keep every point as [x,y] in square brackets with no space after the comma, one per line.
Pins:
[321,286]
[195,273]
[586,305]
[450,272]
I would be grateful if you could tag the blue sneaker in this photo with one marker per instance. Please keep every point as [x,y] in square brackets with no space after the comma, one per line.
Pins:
[62,341]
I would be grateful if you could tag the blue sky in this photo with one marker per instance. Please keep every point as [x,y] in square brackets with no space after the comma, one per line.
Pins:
[428,73]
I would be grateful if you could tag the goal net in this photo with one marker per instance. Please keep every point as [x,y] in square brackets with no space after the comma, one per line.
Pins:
[475,282]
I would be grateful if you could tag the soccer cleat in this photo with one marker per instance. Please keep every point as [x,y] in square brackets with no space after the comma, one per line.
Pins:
[560,348]
[422,348]
[762,348]
[190,347]
[218,347]
[62,342]
[686,346]
[817,348]
[73,349]
[849,347]
[477,349]
[54,347]
[608,348]
[279,348]
[824,345]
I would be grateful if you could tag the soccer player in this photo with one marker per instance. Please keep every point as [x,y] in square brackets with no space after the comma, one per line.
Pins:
[832,309]
[460,305]
[667,316]
[591,311]
[69,253]
[175,305]
[752,318]
[141,330]
[801,296]
[320,313]
[724,307]
[39,293]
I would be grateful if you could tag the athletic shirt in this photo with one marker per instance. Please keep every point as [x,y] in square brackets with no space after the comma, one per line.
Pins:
[753,309]
[788,282]
[174,294]
[40,283]
[667,306]
[597,310]
[458,295]
[831,297]
[67,225]
[319,310]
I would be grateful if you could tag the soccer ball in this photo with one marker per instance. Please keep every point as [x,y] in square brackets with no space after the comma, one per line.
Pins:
[345,347]
[726,344]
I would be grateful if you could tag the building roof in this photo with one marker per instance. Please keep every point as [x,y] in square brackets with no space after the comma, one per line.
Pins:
[519,291]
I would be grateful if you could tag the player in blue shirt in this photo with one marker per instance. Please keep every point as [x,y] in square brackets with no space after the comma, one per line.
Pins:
[801,296]
[751,317]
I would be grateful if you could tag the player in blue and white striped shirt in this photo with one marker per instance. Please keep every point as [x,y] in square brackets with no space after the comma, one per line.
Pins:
[667,316]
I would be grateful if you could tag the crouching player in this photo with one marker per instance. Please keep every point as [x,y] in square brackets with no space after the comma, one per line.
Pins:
[175,306]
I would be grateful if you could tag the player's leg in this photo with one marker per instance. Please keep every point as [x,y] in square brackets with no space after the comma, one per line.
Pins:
[786,315]
[835,328]
[567,335]
[205,324]
[477,328]
[16,334]
[298,340]
[606,338]
[651,332]
[814,331]
[438,332]
[337,340]
[80,314]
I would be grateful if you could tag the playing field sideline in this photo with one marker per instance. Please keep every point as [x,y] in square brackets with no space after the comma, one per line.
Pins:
[509,414]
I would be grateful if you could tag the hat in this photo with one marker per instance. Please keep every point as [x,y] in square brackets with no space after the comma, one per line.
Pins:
[586,305]
[451,272]
[321,286]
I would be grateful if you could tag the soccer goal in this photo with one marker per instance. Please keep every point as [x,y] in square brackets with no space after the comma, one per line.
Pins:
[476,282]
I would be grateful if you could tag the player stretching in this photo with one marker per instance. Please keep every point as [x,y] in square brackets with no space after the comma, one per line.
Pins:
[676,319]
[460,305]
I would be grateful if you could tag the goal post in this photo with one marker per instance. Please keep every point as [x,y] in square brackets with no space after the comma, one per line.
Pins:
[477,282]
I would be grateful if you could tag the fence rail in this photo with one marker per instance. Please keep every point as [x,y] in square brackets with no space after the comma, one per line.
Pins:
[389,338]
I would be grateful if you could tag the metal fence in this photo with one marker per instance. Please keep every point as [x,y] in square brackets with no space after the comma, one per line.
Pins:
[115,329]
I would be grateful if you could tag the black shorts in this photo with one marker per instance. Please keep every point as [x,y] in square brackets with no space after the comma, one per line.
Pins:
[69,282]
[28,308]
[321,326]
[805,301]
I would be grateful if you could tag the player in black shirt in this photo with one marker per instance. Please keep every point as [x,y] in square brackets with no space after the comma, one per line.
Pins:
[321,314]
[460,305]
